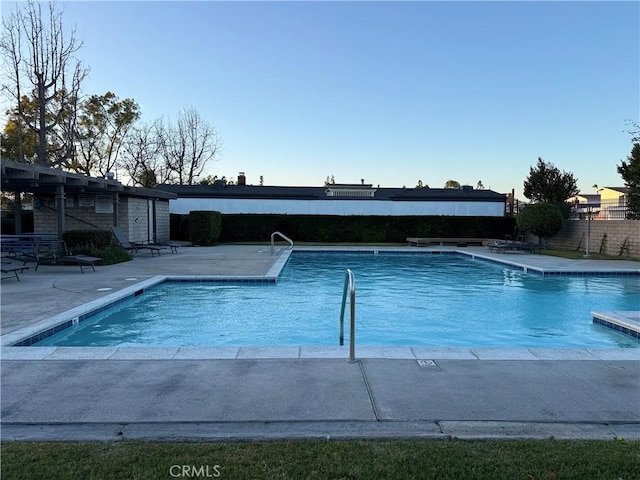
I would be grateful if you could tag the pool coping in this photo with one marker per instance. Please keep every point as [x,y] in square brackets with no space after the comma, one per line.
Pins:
[419,354]
[10,351]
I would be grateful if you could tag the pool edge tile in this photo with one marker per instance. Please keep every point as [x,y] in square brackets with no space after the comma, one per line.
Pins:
[562,353]
[82,353]
[206,353]
[268,352]
[491,353]
[25,353]
[144,353]
[444,353]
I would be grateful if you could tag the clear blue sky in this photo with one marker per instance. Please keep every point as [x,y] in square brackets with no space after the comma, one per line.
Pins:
[392,92]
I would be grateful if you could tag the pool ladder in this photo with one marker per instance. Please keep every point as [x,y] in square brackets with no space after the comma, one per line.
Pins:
[350,284]
[283,236]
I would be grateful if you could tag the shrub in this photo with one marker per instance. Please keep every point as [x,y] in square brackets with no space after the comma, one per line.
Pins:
[110,254]
[360,228]
[179,226]
[204,227]
[84,241]
[95,243]
[541,219]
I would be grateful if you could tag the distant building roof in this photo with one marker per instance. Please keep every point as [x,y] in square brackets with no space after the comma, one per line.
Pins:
[220,190]
[624,190]
[587,197]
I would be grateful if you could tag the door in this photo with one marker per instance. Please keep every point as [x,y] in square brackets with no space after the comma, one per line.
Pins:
[151,234]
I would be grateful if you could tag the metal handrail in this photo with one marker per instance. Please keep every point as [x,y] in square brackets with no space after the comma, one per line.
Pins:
[350,283]
[284,237]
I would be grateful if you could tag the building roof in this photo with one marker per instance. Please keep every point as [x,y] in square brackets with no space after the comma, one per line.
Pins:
[624,190]
[37,179]
[588,197]
[320,193]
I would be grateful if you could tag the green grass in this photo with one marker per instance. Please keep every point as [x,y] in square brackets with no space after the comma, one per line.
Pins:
[575,255]
[413,459]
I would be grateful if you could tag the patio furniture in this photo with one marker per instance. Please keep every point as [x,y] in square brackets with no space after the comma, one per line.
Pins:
[12,269]
[59,255]
[133,247]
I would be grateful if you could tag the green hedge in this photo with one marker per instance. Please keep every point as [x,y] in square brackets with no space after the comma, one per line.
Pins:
[344,229]
[179,226]
[204,227]
[96,243]
[86,240]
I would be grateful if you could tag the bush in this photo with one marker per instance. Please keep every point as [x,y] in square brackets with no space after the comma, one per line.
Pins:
[360,228]
[179,226]
[204,227]
[84,241]
[541,219]
[110,255]
[95,243]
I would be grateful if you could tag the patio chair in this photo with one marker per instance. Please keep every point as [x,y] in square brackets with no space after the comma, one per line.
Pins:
[12,269]
[133,247]
[57,254]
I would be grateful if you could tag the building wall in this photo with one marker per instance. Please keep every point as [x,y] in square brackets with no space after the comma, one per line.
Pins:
[132,218]
[608,195]
[78,217]
[337,207]
[610,237]
[136,225]
[162,221]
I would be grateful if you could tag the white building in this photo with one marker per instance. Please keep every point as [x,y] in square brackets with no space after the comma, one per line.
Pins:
[335,199]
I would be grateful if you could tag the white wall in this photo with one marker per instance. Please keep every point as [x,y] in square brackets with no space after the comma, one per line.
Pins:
[337,207]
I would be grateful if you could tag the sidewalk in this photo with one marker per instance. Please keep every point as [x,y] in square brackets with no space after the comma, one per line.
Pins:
[241,394]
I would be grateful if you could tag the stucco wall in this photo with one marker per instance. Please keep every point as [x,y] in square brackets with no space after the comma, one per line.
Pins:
[611,237]
[337,207]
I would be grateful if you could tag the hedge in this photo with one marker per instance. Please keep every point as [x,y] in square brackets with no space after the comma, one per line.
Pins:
[87,240]
[204,227]
[346,229]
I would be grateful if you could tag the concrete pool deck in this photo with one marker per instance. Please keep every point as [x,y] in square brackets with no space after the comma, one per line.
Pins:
[246,393]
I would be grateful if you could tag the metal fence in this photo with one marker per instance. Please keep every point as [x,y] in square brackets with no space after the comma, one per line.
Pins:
[606,210]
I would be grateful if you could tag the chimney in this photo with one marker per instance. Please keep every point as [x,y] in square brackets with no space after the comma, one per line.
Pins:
[242,180]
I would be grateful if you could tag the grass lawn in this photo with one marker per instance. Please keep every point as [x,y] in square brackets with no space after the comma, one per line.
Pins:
[412,459]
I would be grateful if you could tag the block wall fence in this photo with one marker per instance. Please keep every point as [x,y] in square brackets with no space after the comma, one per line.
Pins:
[611,237]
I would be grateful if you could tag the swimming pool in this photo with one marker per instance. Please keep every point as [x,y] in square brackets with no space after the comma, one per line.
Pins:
[403,299]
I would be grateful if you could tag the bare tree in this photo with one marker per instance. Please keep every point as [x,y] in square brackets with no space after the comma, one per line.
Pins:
[188,146]
[41,63]
[141,156]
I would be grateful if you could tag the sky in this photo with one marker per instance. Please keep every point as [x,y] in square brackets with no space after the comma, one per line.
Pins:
[388,92]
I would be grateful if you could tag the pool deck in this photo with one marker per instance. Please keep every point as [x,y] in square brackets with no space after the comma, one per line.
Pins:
[251,393]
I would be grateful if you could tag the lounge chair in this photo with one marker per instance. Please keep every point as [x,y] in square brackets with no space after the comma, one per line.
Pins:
[518,245]
[58,254]
[133,247]
[12,269]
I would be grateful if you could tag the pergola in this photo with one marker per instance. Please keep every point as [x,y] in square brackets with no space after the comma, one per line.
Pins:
[39,180]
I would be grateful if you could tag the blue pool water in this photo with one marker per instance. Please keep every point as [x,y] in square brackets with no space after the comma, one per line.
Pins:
[402,299]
